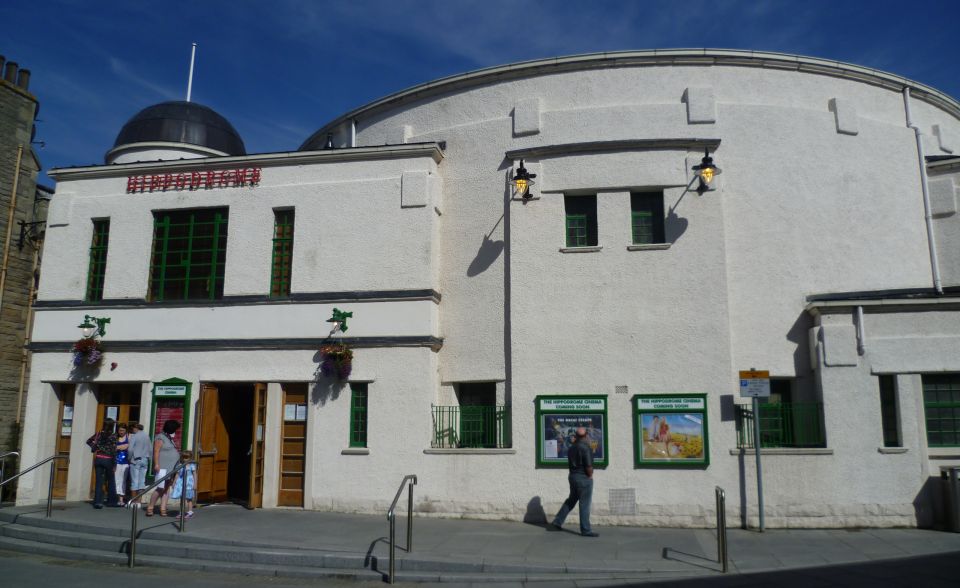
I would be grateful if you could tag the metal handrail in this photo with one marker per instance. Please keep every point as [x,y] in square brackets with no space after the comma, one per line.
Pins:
[722,528]
[3,463]
[134,505]
[392,517]
[53,471]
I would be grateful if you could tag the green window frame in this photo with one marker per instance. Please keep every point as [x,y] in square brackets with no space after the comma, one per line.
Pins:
[941,407]
[280,271]
[580,220]
[189,254]
[888,411]
[97,270]
[358,414]
[647,222]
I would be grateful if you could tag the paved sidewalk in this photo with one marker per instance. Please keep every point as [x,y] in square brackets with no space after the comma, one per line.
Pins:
[637,553]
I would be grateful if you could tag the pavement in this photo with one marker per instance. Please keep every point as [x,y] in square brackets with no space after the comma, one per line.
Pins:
[620,555]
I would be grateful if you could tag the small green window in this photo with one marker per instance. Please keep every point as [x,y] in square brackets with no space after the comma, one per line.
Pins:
[358,415]
[189,254]
[581,220]
[98,260]
[941,406]
[282,253]
[646,210]
[888,412]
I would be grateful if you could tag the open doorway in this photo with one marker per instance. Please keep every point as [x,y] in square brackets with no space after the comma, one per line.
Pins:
[230,441]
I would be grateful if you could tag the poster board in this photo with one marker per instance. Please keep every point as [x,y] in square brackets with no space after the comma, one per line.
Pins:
[171,400]
[671,430]
[557,420]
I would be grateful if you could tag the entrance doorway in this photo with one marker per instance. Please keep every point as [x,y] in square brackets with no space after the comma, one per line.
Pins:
[229,443]
[65,393]
[120,402]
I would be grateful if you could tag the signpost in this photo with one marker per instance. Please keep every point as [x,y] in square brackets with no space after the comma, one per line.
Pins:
[755,384]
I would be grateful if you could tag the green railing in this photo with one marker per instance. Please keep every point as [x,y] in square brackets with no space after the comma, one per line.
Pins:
[471,426]
[787,424]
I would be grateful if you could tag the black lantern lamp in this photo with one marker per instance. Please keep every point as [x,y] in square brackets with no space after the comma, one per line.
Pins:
[522,180]
[706,172]
[93,326]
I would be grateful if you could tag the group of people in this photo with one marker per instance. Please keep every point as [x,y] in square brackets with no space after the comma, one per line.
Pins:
[121,454]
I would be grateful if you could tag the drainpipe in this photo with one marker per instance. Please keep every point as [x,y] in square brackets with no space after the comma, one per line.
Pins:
[861,335]
[13,209]
[931,240]
[24,354]
[353,132]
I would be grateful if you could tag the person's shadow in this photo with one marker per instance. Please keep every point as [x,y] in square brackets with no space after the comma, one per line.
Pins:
[535,514]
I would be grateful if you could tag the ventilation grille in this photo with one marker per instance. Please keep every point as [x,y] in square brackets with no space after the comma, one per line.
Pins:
[623,501]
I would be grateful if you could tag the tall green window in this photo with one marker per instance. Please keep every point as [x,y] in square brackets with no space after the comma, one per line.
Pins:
[282,253]
[941,406]
[98,260]
[189,254]
[646,211]
[888,411]
[581,220]
[358,415]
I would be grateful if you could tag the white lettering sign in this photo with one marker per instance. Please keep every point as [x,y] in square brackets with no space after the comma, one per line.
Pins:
[180,390]
[572,404]
[670,403]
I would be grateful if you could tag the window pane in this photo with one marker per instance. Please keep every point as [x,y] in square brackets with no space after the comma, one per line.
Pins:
[282,253]
[97,268]
[358,415]
[941,404]
[581,220]
[647,216]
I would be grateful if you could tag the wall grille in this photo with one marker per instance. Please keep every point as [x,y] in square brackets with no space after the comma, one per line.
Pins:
[623,501]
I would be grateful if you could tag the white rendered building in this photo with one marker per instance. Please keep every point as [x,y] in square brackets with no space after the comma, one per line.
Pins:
[486,323]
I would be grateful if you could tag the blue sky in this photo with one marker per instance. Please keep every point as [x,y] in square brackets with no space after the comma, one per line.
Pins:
[280,69]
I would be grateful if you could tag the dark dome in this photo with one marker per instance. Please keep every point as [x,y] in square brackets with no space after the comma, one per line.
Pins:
[182,122]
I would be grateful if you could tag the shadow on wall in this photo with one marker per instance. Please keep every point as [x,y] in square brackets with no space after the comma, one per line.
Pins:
[535,514]
[674,226]
[930,505]
[324,389]
[488,253]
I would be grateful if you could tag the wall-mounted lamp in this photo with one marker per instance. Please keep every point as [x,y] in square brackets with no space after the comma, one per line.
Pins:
[522,180]
[93,326]
[339,320]
[706,171]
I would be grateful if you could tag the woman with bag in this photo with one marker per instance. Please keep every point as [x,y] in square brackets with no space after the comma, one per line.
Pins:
[104,448]
[165,457]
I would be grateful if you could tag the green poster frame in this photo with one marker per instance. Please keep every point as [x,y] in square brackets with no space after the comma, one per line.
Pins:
[572,411]
[187,403]
[672,404]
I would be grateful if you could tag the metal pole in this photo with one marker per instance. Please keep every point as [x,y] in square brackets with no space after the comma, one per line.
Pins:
[53,471]
[756,448]
[133,532]
[410,518]
[193,54]
[393,541]
[183,497]
[722,528]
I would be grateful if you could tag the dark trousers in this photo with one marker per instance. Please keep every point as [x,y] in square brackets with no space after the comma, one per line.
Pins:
[581,490]
[103,467]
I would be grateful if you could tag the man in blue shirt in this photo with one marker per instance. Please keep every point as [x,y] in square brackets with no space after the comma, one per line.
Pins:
[580,462]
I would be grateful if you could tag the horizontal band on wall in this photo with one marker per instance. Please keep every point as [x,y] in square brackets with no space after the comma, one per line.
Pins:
[601,146]
[296,298]
[435,343]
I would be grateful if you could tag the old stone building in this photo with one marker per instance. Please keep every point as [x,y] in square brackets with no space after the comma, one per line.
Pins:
[22,204]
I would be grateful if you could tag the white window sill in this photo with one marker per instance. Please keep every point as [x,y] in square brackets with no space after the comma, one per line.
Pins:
[649,247]
[591,249]
[891,450]
[470,451]
[785,451]
[355,451]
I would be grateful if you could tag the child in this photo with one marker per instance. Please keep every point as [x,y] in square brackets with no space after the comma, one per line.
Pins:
[189,473]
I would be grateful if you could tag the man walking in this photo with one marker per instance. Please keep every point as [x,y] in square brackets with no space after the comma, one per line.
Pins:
[580,462]
[140,450]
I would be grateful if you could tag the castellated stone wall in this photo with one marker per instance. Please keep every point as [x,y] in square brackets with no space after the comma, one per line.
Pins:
[17,111]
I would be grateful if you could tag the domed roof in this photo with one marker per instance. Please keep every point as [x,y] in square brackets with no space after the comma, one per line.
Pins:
[182,122]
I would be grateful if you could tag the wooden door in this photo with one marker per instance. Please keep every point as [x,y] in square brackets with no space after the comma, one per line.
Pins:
[212,447]
[62,444]
[294,445]
[256,445]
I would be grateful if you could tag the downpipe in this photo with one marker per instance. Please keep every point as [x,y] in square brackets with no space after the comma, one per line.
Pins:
[928,217]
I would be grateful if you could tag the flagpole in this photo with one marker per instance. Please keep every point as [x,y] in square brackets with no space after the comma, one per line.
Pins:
[193,54]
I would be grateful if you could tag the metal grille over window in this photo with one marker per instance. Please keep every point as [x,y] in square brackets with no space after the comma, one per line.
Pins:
[282,253]
[782,424]
[358,415]
[189,254]
[98,260]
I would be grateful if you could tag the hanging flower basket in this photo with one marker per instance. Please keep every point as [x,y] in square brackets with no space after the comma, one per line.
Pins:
[87,352]
[337,361]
